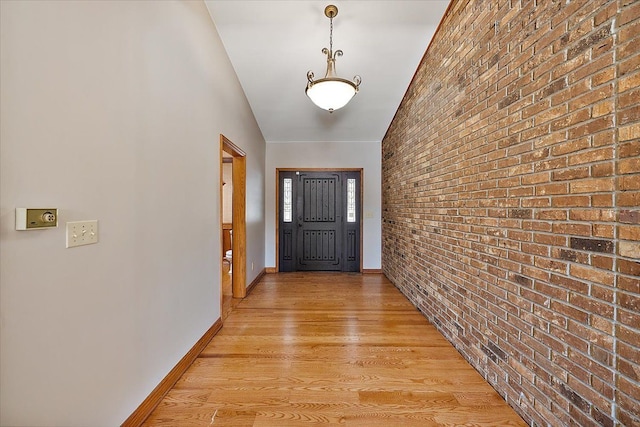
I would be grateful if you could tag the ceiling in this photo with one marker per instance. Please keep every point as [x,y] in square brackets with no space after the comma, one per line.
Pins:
[272,45]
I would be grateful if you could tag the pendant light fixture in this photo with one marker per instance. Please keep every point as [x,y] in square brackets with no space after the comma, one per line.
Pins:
[331,92]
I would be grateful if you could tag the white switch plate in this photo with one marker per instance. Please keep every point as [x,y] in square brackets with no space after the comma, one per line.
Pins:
[82,233]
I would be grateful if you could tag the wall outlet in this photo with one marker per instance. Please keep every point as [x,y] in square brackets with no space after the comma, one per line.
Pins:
[82,233]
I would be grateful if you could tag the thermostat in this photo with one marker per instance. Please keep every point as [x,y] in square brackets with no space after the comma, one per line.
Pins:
[33,219]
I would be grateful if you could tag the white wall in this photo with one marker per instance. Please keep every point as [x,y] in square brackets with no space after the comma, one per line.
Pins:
[112,111]
[309,155]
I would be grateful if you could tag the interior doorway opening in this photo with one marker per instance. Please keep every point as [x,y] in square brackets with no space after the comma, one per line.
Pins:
[227,234]
[233,242]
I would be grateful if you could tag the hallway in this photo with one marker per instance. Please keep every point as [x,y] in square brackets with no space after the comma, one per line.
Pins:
[330,349]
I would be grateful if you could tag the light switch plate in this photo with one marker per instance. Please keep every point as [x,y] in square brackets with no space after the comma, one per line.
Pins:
[82,233]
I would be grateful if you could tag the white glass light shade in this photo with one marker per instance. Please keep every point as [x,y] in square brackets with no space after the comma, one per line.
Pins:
[331,93]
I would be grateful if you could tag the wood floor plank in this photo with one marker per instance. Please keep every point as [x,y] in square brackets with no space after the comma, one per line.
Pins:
[307,349]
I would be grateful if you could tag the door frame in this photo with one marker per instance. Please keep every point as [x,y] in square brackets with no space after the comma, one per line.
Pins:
[278,170]
[239,225]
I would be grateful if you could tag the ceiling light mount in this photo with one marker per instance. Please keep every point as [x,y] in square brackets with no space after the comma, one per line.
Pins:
[331,92]
[331,11]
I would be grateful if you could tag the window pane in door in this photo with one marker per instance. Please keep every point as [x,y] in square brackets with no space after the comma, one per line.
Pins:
[351,200]
[287,203]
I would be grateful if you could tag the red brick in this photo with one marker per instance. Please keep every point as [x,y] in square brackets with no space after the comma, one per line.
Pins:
[603,230]
[630,149]
[629,66]
[550,239]
[629,14]
[603,77]
[631,267]
[551,139]
[629,216]
[538,202]
[627,166]
[592,305]
[592,215]
[631,81]
[630,199]
[629,249]
[568,174]
[605,14]
[629,32]
[595,336]
[602,262]
[627,115]
[592,156]
[624,51]
[628,335]
[630,302]
[629,317]
[604,293]
[629,352]
[604,63]
[630,284]
[629,98]
[569,283]
[556,163]
[594,96]
[550,265]
[626,183]
[603,169]
[602,200]
[575,229]
[591,186]
[539,226]
[570,201]
[604,138]
[550,189]
[574,117]
[592,274]
[537,178]
[603,108]
[571,146]
[555,214]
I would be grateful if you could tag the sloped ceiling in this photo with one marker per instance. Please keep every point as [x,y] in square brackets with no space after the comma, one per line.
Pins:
[272,45]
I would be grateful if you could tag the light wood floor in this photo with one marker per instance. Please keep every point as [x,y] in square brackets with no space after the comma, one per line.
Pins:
[227,291]
[330,349]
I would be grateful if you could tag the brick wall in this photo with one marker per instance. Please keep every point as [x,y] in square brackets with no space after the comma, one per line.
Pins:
[511,194]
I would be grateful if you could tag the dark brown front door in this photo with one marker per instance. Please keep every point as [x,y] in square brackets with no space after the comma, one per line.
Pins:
[319,221]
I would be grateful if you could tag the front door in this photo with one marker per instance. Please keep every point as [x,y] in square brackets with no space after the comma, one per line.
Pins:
[319,226]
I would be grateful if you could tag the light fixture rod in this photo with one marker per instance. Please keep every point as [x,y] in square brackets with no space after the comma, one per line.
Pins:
[330,14]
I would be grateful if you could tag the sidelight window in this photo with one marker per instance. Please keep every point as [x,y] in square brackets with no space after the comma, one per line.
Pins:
[351,200]
[287,200]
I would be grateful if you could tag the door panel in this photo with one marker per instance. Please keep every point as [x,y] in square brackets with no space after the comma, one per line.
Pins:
[320,223]
[319,199]
[319,245]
